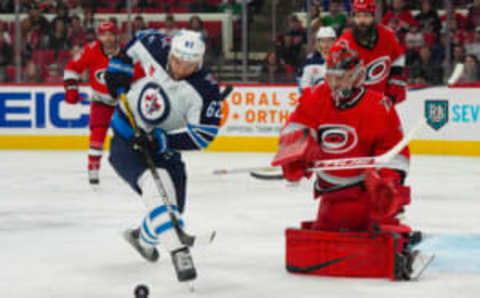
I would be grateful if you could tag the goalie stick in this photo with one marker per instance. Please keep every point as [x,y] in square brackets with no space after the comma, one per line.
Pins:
[384,160]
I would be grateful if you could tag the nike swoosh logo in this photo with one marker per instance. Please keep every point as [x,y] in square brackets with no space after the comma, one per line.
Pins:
[318,266]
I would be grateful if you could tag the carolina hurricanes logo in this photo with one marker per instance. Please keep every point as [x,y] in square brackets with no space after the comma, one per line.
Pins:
[153,104]
[336,138]
[377,70]
[100,76]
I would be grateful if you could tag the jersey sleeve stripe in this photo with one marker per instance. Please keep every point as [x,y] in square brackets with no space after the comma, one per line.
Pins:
[70,75]
[400,61]
[118,66]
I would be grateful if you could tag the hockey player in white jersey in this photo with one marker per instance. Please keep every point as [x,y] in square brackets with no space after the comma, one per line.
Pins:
[314,68]
[175,106]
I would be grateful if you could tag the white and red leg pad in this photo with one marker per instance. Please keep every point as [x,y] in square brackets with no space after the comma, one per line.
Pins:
[342,254]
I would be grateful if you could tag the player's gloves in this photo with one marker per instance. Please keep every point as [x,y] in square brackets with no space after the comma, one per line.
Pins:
[118,75]
[396,88]
[154,141]
[71,91]
[386,197]
[298,150]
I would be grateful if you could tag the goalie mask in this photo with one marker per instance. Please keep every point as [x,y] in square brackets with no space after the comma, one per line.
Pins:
[345,73]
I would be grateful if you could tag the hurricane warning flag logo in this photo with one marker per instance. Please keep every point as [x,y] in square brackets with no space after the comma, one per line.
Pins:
[436,112]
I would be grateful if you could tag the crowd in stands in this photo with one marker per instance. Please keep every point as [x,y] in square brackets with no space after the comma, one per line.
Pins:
[47,44]
[418,26]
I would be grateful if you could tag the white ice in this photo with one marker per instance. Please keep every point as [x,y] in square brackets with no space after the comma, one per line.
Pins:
[58,238]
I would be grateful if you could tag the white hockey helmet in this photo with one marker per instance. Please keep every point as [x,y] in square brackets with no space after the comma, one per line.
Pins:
[326,32]
[188,45]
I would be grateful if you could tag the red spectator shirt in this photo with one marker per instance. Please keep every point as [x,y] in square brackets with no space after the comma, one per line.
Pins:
[378,60]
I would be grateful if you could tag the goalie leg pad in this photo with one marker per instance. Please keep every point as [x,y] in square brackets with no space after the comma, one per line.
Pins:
[342,254]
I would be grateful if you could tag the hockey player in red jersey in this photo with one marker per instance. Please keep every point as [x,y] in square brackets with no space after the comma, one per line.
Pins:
[94,57]
[380,51]
[356,224]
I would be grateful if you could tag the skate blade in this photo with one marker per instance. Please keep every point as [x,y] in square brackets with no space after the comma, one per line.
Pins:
[421,262]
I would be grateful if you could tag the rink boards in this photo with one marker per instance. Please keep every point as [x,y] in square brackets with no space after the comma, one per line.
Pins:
[37,117]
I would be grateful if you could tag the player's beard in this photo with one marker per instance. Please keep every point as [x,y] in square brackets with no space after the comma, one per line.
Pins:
[365,35]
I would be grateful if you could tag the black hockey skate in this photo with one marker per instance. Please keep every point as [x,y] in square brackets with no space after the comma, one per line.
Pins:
[132,236]
[93,177]
[409,265]
[183,263]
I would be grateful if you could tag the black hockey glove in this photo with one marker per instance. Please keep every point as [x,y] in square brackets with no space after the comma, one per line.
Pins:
[119,74]
[154,141]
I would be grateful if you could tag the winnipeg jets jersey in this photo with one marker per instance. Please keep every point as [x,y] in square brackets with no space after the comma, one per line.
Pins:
[313,71]
[188,110]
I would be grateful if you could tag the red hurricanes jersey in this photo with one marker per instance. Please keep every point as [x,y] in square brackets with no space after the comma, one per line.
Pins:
[369,126]
[378,60]
[96,61]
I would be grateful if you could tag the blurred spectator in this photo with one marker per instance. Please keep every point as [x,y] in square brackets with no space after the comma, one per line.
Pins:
[428,18]
[471,71]
[36,19]
[6,52]
[62,14]
[7,6]
[335,18]
[414,39]
[53,74]
[77,34]
[170,26]
[425,70]
[325,4]
[473,47]
[31,73]
[461,20]
[196,24]
[231,6]
[89,21]
[473,18]
[58,39]
[457,35]
[288,51]
[114,21]
[138,24]
[296,31]
[458,54]
[142,4]
[399,19]
[272,70]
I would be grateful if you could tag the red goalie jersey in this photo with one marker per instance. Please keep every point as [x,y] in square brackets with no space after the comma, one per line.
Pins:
[384,62]
[367,126]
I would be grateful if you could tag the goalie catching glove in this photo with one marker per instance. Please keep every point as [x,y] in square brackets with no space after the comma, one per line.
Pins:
[298,150]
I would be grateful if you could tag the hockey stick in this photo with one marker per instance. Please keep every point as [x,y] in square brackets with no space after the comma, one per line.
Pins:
[346,163]
[183,237]
[384,160]
[226,92]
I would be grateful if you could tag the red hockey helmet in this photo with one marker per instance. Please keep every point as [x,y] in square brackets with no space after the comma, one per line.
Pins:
[364,6]
[345,72]
[107,26]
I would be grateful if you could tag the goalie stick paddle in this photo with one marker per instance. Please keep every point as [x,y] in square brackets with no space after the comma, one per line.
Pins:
[184,238]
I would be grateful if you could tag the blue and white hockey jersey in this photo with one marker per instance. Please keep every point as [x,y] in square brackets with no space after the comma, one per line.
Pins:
[313,71]
[188,110]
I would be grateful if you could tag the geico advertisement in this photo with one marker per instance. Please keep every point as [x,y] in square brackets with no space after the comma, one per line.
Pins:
[257,111]
[42,111]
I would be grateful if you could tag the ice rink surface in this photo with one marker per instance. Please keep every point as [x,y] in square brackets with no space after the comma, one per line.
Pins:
[61,239]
